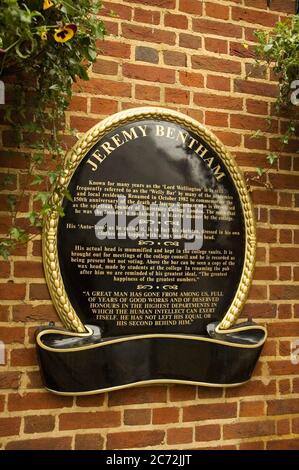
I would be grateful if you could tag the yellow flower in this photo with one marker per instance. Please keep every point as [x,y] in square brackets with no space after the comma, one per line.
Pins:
[65,33]
[47,4]
[43,35]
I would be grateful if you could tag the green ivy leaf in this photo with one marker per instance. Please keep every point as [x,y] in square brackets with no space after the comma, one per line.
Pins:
[37,180]
[260,171]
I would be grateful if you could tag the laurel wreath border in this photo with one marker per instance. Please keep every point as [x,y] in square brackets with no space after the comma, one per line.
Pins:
[53,275]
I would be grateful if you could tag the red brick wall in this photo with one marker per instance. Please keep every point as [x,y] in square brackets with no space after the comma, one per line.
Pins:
[187,55]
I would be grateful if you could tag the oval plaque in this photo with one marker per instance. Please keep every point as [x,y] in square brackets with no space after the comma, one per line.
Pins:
[159,236]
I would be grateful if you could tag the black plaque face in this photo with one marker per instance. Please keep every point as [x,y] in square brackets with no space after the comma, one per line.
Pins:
[151,284]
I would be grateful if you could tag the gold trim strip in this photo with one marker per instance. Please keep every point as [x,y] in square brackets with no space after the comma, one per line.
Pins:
[151,336]
[53,275]
[147,382]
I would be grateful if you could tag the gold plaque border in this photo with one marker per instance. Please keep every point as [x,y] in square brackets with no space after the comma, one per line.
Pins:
[53,275]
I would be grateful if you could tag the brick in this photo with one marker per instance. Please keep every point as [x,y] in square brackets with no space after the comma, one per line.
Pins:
[37,401]
[191,79]
[251,142]
[45,443]
[23,357]
[138,395]
[12,159]
[282,181]
[257,292]
[152,74]
[251,446]
[4,269]
[295,425]
[250,429]
[96,86]
[285,199]
[284,311]
[105,67]
[263,310]
[194,113]
[284,406]
[282,367]
[90,401]
[111,28]
[9,426]
[78,103]
[29,313]
[288,217]
[174,58]
[12,291]
[191,6]
[137,417]
[216,82]
[218,46]
[182,393]
[283,329]
[82,124]
[285,273]
[209,411]
[216,28]
[89,442]
[239,50]
[175,95]
[146,54]
[213,118]
[253,16]
[256,70]
[252,123]
[209,392]
[39,292]
[124,12]
[212,101]
[268,273]
[146,16]
[217,11]
[251,408]
[134,439]
[284,292]
[34,380]
[208,432]
[103,106]
[252,388]
[13,334]
[283,444]
[176,21]
[256,107]
[149,93]
[115,49]
[10,379]
[179,435]
[283,427]
[189,41]
[229,138]
[156,3]
[39,424]
[144,33]
[215,64]
[28,269]
[165,415]
[255,88]
[103,419]
[4,313]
